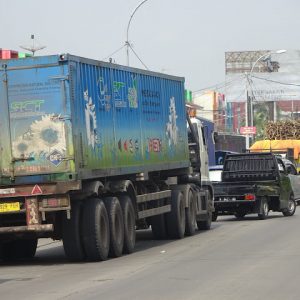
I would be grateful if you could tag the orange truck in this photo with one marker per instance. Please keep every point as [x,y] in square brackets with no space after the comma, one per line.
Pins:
[289,149]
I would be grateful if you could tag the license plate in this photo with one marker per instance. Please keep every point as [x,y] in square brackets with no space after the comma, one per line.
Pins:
[6,207]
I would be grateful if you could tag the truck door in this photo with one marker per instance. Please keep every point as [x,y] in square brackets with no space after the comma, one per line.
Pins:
[203,153]
[35,120]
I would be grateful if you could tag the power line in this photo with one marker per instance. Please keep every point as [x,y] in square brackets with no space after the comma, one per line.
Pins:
[275,81]
[220,85]
[209,87]
[138,57]
[115,52]
[118,50]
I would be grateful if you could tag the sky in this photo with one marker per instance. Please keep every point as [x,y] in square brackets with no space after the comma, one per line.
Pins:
[185,38]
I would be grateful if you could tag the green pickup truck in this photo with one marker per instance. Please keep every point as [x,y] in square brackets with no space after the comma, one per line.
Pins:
[254,183]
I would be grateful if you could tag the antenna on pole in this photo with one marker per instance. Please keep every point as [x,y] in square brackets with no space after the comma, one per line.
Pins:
[33,47]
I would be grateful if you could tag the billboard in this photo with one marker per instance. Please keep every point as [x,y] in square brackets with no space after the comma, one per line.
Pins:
[274,77]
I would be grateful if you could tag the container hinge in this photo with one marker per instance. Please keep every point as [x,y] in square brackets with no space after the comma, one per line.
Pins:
[16,159]
[59,77]
[57,117]
[67,158]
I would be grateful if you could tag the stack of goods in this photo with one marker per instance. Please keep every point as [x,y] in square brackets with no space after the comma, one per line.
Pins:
[283,130]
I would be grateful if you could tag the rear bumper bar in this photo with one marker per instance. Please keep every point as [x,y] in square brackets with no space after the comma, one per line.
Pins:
[30,228]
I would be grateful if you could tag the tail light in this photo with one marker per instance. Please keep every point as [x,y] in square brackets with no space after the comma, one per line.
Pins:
[249,197]
[61,201]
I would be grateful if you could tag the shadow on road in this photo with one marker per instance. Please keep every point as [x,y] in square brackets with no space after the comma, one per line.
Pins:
[254,217]
[52,253]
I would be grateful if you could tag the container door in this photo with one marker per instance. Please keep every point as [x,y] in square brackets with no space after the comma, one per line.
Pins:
[35,121]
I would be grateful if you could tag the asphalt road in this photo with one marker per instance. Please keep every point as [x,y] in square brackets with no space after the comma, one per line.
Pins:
[248,259]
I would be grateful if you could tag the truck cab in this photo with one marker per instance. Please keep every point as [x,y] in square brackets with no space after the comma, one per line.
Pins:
[203,152]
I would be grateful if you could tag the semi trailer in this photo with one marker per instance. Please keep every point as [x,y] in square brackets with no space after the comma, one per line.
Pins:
[90,152]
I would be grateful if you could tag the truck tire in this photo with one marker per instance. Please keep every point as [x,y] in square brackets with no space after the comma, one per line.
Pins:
[1,251]
[190,215]
[95,230]
[214,216]
[176,218]
[129,224]
[116,225]
[264,209]
[159,227]
[71,234]
[205,225]
[19,249]
[291,207]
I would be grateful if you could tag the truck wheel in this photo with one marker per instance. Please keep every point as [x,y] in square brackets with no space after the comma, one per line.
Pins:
[264,209]
[205,225]
[129,224]
[291,208]
[116,225]
[176,217]
[159,227]
[1,250]
[19,249]
[71,236]
[95,230]
[214,216]
[190,215]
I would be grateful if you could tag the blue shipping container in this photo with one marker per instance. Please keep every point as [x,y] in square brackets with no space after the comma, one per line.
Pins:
[66,117]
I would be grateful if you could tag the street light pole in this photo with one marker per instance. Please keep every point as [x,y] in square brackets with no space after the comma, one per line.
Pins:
[247,112]
[127,43]
[249,102]
[266,55]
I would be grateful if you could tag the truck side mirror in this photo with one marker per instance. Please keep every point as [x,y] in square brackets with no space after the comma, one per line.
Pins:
[289,169]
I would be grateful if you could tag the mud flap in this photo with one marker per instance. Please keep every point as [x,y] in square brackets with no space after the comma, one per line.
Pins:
[258,208]
[32,211]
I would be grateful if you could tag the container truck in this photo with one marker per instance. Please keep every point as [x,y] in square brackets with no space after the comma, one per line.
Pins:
[91,151]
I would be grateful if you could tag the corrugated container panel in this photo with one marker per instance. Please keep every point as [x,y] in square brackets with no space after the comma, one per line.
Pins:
[115,120]
[129,113]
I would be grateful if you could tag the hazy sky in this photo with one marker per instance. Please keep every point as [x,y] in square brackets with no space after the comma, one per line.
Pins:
[180,37]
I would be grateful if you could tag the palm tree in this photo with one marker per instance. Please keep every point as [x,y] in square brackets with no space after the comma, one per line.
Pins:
[260,117]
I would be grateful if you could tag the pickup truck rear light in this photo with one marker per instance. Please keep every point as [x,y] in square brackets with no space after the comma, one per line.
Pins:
[249,197]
